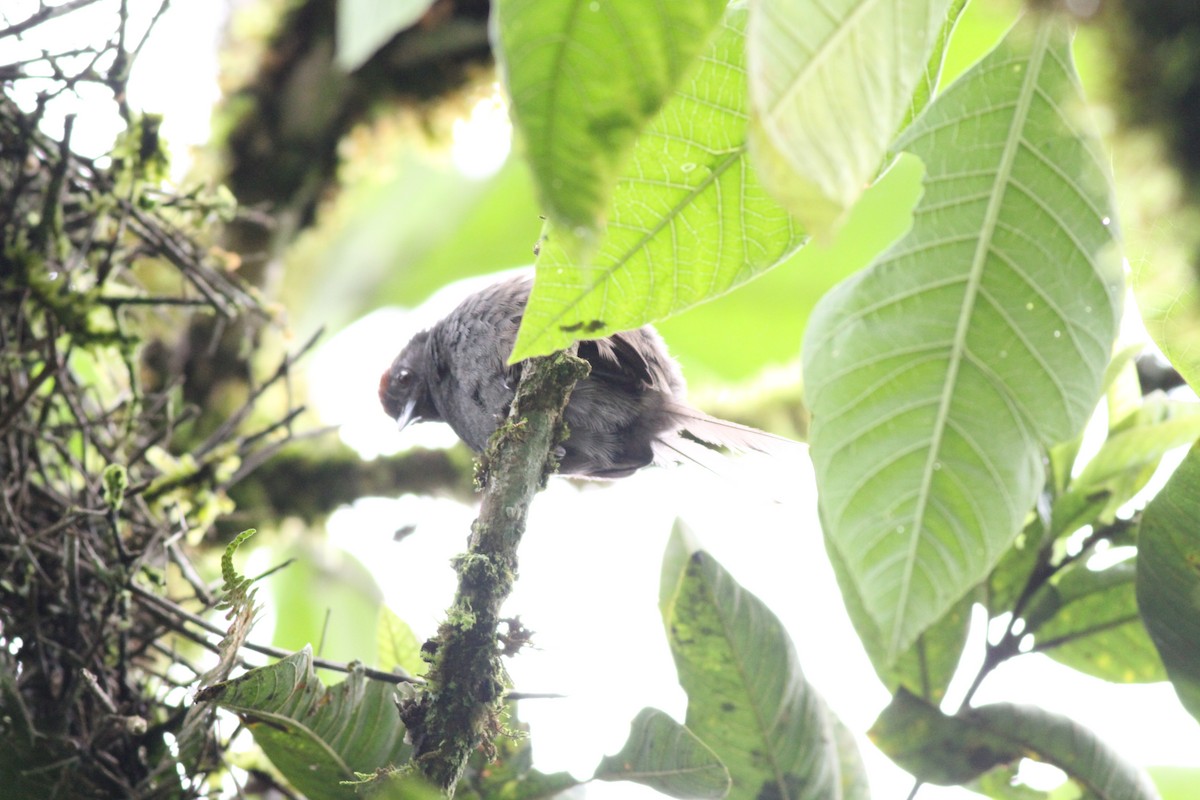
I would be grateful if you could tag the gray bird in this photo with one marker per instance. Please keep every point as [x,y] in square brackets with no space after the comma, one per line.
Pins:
[628,413]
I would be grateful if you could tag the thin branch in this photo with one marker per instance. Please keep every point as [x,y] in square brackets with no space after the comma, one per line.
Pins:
[285,422]
[45,57]
[165,606]
[1067,638]
[272,570]
[47,371]
[235,419]
[44,14]
[184,563]
[253,461]
[158,15]
[1009,643]
[148,300]
[97,690]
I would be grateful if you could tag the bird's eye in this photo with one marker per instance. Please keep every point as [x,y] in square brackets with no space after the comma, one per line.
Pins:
[404,377]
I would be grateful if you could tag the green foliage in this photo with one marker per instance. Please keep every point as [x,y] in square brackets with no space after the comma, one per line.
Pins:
[583,78]
[782,299]
[1088,619]
[747,698]
[319,738]
[927,82]
[659,753]
[1176,783]
[824,116]
[1168,578]
[403,251]
[949,380]
[927,667]
[851,767]
[343,619]
[116,480]
[666,756]
[511,775]
[937,376]
[689,220]
[236,588]
[140,157]
[955,749]
[397,645]
[1128,458]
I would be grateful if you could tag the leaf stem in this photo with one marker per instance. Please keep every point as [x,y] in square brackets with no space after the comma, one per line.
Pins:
[1043,572]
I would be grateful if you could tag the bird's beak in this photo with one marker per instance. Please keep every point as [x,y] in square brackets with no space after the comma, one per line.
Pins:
[406,416]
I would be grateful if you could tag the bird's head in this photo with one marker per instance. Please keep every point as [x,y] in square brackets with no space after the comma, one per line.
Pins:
[404,386]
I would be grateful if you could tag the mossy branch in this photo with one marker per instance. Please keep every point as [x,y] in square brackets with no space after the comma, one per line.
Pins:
[459,711]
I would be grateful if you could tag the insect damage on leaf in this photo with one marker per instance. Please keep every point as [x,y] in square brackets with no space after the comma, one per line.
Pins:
[586,327]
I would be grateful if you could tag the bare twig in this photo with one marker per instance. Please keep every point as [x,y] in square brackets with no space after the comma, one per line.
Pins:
[163,606]
[222,433]
[47,371]
[42,15]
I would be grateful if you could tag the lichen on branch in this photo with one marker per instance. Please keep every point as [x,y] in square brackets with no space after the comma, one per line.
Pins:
[459,711]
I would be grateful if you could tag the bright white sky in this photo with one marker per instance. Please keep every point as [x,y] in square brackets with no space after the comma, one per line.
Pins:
[591,558]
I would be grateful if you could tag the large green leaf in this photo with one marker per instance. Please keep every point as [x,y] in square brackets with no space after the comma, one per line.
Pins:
[830,83]
[853,776]
[1088,619]
[688,221]
[937,376]
[928,82]
[747,698]
[782,299]
[316,736]
[1004,783]
[947,750]
[1129,457]
[666,756]
[1168,579]
[928,666]
[1008,580]
[583,78]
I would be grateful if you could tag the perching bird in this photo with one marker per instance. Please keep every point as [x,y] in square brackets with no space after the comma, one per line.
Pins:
[628,413]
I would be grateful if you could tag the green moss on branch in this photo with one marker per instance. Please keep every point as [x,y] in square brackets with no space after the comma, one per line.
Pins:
[460,710]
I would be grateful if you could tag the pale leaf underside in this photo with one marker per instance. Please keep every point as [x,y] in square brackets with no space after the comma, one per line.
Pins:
[937,376]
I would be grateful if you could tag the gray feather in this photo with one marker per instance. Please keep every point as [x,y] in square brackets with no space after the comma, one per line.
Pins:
[626,414]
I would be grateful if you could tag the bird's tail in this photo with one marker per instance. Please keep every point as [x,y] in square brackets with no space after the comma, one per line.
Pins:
[705,441]
[722,433]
